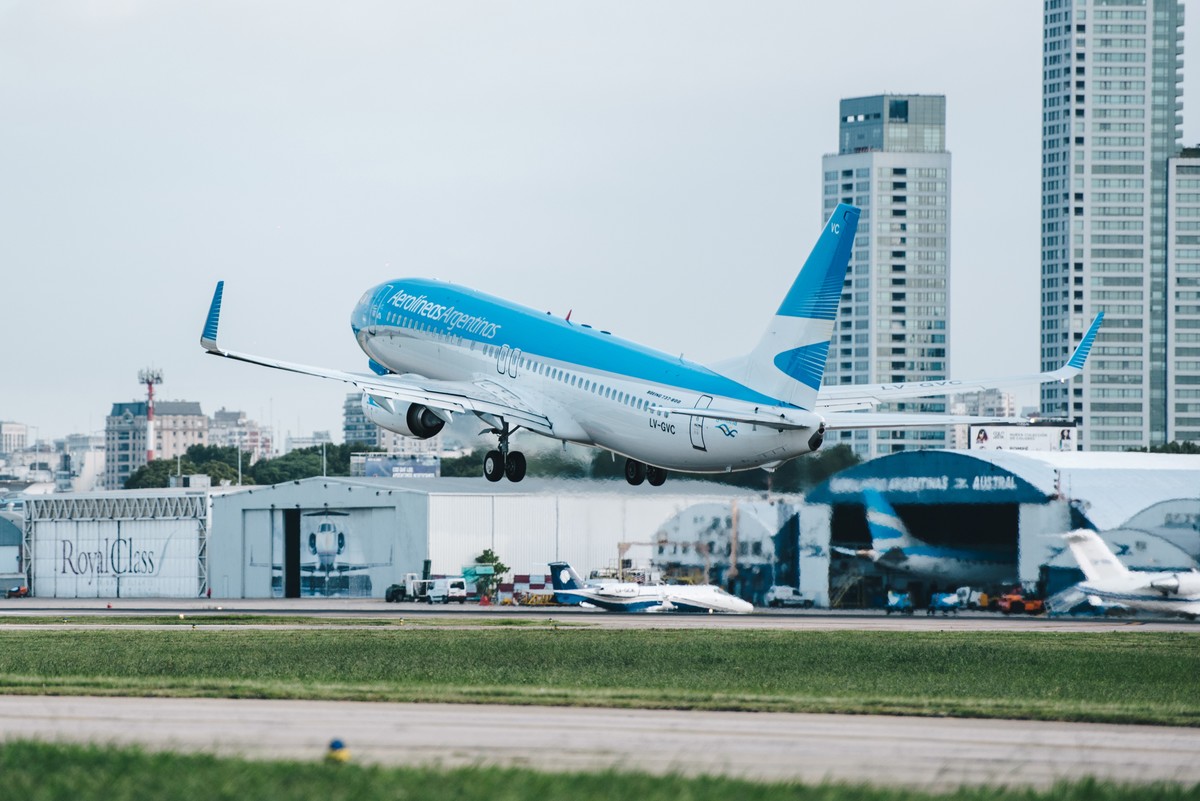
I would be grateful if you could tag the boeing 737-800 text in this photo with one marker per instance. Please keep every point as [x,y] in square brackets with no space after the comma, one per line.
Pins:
[437,350]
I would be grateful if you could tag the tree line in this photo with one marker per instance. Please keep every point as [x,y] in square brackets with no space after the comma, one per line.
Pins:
[220,464]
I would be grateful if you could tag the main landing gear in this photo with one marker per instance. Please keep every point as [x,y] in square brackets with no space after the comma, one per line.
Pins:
[500,463]
[636,473]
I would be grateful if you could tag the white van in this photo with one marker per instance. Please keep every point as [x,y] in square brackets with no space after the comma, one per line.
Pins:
[445,590]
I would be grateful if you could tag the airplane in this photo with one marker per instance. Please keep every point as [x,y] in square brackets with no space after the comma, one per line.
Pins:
[437,349]
[894,548]
[1109,583]
[569,588]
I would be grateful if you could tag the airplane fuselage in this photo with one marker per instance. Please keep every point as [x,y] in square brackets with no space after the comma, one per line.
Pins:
[1136,591]
[598,389]
[954,565]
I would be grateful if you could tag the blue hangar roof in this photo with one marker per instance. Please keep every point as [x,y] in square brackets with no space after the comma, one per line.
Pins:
[929,477]
[1109,488]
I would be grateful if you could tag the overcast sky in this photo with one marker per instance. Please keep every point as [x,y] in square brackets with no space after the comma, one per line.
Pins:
[654,166]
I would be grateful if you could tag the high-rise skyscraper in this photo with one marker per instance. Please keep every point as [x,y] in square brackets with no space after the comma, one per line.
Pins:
[1183,297]
[894,312]
[1111,88]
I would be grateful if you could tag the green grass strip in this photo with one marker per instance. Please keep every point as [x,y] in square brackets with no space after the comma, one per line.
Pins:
[37,772]
[1120,677]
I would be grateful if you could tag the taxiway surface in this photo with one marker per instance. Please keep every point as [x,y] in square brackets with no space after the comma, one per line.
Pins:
[930,753]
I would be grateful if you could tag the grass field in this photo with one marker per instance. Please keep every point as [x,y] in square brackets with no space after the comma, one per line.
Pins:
[34,772]
[1111,677]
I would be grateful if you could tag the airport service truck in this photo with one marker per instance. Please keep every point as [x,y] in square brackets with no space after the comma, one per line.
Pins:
[412,588]
[445,590]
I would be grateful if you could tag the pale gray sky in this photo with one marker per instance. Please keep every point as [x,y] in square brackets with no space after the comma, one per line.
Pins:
[655,166]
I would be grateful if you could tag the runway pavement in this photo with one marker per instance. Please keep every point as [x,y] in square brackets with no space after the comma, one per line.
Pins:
[930,753]
[12,610]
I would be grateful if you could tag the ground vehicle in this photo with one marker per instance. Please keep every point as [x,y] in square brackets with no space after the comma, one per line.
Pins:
[781,595]
[972,599]
[445,590]
[944,602]
[18,591]
[1015,603]
[413,588]
[900,603]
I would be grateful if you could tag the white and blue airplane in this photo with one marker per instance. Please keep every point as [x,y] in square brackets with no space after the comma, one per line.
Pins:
[894,548]
[1107,582]
[626,596]
[437,349]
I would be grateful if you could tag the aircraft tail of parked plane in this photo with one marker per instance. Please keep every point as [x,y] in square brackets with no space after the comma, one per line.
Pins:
[1109,583]
[893,547]
[436,350]
[1096,560]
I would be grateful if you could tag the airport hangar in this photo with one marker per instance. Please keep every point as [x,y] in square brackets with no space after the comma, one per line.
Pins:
[275,541]
[260,542]
[1019,501]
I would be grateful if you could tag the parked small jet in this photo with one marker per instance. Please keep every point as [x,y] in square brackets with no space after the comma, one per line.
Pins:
[893,547]
[1109,583]
[569,588]
[436,350]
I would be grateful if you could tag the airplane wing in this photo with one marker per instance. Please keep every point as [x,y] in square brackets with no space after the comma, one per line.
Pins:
[843,398]
[855,420]
[480,397]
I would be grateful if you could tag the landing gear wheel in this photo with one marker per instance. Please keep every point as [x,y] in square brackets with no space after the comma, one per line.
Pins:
[635,472]
[493,466]
[514,466]
[656,476]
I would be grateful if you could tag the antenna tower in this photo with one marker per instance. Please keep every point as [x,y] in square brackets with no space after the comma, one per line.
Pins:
[150,377]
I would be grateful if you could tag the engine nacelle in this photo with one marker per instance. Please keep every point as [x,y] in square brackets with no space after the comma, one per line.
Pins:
[1178,584]
[410,420]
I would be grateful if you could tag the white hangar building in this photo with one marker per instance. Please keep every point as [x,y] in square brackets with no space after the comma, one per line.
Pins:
[356,536]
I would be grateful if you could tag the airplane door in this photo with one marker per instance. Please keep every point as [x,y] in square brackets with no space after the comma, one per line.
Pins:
[291,553]
[697,427]
[502,360]
[512,362]
[377,307]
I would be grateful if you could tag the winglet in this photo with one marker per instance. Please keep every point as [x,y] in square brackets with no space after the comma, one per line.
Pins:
[208,338]
[1074,365]
[1085,345]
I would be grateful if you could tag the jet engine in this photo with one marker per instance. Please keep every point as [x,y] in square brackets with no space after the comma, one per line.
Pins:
[1178,584]
[409,420]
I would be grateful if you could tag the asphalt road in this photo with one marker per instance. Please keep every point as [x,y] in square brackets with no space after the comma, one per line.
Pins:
[931,753]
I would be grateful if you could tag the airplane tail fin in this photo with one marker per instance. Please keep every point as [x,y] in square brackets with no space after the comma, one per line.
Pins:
[564,577]
[1095,558]
[789,361]
[888,532]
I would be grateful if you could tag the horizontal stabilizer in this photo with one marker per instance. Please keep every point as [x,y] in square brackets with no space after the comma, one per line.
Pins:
[857,420]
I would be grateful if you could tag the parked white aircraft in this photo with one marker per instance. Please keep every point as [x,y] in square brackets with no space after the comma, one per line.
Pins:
[893,547]
[629,597]
[438,349]
[1110,583]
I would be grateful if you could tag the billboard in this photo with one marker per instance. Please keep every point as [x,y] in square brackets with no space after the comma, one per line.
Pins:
[1021,438]
[384,466]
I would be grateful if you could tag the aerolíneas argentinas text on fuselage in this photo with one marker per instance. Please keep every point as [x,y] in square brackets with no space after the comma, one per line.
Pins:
[437,349]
